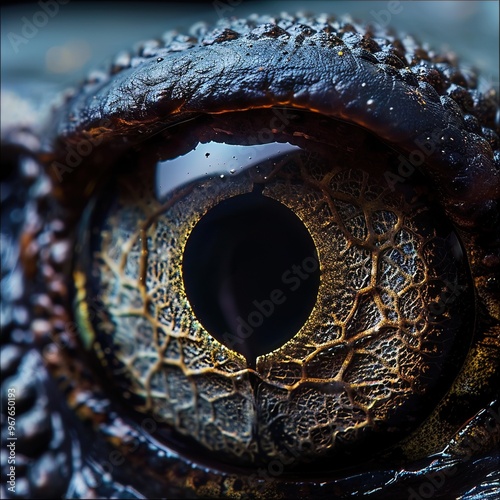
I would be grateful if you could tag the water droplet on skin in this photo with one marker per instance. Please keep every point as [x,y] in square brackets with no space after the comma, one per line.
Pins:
[363,84]
[222,176]
[370,102]
[160,59]
[232,171]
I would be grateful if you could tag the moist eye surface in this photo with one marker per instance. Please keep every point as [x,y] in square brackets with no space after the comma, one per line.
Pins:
[295,306]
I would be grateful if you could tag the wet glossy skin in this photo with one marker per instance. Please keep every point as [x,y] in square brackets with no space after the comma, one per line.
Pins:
[403,96]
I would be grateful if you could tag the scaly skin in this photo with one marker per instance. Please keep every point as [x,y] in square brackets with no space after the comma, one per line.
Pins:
[71,429]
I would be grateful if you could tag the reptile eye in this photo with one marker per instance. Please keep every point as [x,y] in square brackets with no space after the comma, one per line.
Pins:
[261,262]
[270,301]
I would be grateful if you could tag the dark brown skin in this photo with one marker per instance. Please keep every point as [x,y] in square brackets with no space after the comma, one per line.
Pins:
[402,95]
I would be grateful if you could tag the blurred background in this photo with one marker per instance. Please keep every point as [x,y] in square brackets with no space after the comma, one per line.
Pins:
[57,42]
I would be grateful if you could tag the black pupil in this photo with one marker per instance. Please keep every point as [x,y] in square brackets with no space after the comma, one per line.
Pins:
[251,273]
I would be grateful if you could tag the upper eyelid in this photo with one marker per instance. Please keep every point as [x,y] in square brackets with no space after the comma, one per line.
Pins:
[239,67]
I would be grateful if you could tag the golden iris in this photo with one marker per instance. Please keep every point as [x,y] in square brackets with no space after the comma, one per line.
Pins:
[328,334]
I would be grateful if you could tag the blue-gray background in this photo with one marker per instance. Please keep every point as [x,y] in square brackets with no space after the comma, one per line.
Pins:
[82,34]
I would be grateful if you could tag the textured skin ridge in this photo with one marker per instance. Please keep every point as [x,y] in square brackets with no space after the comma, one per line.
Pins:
[415,99]
[405,58]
